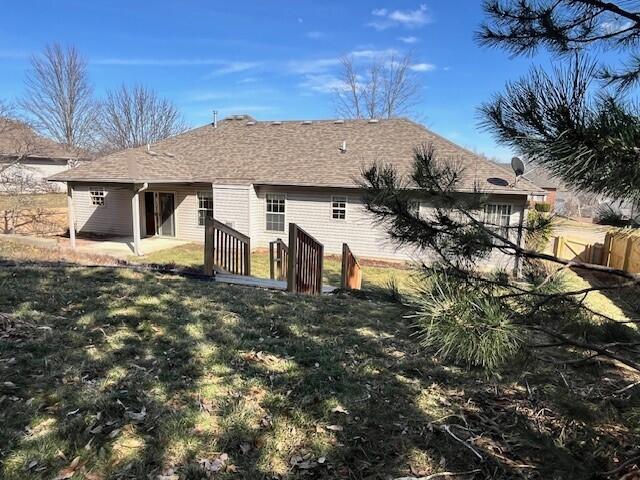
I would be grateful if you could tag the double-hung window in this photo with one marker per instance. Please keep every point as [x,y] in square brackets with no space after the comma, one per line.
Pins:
[275,212]
[498,216]
[339,208]
[97,195]
[205,206]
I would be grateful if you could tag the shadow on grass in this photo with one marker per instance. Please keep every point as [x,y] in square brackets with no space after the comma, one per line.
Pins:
[143,374]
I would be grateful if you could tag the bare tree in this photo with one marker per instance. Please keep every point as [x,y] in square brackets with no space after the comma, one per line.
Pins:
[59,96]
[385,87]
[134,116]
[17,142]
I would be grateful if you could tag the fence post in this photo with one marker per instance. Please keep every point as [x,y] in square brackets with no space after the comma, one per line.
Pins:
[208,246]
[627,254]
[557,246]
[606,250]
[291,267]
[271,260]
[343,275]
[320,270]
[247,258]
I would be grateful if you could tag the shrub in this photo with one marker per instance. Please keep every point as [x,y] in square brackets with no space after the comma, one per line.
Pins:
[465,325]
[542,207]
[609,215]
[539,229]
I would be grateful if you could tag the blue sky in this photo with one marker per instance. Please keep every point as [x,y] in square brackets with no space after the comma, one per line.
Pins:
[273,59]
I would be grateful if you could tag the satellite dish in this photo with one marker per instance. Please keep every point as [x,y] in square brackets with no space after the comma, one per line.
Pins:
[518,166]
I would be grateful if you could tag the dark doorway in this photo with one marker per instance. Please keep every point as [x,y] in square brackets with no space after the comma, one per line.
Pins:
[149,213]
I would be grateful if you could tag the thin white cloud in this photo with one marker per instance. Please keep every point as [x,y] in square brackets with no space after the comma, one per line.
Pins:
[423,67]
[312,66]
[13,55]
[406,18]
[409,40]
[233,67]
[322,83]
[158,62]
[374,53]
[315,35]
[612,27]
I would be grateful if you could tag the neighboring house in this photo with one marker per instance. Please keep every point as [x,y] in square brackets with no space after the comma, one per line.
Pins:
[28,159]
[542,178]
[258,176]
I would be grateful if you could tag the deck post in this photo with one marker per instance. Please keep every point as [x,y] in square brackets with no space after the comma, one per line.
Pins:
[71,216]
[291,267]
[208,246]
[135,213]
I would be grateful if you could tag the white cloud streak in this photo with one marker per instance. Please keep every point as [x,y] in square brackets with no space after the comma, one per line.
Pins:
[394,18]
[423,67]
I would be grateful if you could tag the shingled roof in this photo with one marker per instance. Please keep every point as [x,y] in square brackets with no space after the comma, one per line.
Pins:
[240,150]
[17,139]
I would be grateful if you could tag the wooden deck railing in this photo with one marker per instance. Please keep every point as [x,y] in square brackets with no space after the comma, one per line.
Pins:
[304,273]
[226,248]
[351,278]
[278,260]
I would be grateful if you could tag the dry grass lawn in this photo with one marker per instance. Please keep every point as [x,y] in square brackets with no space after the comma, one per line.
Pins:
[110,373]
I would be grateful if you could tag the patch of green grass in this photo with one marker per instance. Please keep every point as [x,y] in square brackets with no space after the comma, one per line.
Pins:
[374,277]
[141,374]
[43,200]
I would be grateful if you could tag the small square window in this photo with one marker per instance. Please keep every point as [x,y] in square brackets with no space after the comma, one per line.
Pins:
[339,208]
[97,195]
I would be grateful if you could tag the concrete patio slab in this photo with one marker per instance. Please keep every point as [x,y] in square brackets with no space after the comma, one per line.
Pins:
[122,247]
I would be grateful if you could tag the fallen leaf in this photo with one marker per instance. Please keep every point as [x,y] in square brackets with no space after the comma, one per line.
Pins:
[213,466]
[321,460]
[136,416]
[334,428]
[32,464]
[340,409]
[9,384]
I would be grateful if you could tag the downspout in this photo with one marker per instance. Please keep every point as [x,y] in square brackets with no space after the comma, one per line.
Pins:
[135,214]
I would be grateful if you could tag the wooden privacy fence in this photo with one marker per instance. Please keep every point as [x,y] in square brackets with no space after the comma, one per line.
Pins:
[226,248]
[618,251]
[305,262]
[351,277]
[278,260]
[622,251]
[574,249]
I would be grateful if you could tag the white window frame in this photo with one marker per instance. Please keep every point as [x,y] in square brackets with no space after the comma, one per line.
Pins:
[199,195]
[277,197]
[502,228]
[98,196]
[336,200]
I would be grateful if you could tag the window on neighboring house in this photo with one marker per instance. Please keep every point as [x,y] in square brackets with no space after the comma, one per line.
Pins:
[275,212]
[339,208]
[205,207]
[498,216]
[97,196]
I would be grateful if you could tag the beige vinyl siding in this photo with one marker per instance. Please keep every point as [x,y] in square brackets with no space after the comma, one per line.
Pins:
[311,209]
[231,206]
[114,217]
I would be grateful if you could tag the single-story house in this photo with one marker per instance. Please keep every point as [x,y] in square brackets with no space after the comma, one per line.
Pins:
[28,159]
[258,176]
